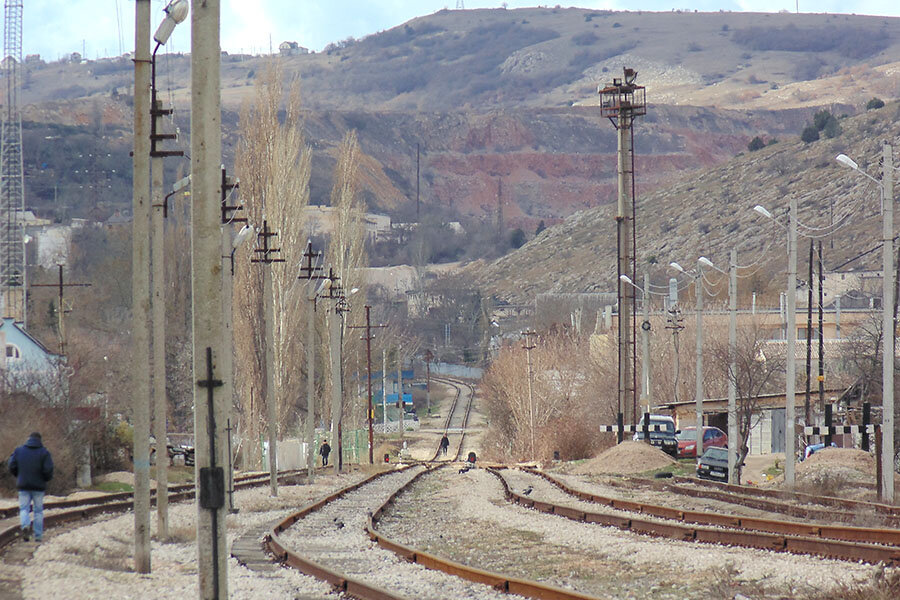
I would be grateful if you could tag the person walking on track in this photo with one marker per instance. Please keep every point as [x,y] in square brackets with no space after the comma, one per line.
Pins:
[445,443]
[32,466]
[325,450]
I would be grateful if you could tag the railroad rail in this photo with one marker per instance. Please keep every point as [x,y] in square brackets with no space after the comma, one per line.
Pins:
[844,543]
[793,504]
[356,587]
[459,385]
[67,511]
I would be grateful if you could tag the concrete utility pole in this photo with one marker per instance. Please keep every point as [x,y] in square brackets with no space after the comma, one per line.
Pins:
[790,437]
[698,351]
[230,243]
[888,333]
[370,412]
[732,359]
[529,346]
[140,286]
[384,418]
[158,320]
[621,102]
[310,272]
[337,391]
[210,403]
[645,345]
[400,392]
[429,356]
[266,252]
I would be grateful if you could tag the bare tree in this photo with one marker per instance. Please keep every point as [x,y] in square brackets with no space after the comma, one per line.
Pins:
[273,164]
[756,373]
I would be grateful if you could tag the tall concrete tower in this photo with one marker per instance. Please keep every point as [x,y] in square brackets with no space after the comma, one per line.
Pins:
[12,189]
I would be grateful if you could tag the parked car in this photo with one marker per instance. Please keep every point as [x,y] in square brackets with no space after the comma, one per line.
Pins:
[687,440]
[713,464]
[664,439]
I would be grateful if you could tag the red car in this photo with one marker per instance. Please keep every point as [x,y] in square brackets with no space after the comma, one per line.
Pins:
[687,440]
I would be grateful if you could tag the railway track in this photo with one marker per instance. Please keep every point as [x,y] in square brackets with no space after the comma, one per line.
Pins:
[845,543]
[336,536]
[457,418]
[68,511]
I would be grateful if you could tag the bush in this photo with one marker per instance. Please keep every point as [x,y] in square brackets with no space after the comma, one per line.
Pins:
[874,103]
[832,128]
[821,118]
[756,144]
[810,134]
[517,238]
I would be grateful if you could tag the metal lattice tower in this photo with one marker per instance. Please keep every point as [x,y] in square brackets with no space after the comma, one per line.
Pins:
[460,5]
[12,190]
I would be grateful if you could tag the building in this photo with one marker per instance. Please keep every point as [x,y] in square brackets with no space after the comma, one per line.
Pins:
[30,367]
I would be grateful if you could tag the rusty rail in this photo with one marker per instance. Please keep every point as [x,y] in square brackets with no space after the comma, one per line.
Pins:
[845,543]
[87,508]
[362,591]
[458,385]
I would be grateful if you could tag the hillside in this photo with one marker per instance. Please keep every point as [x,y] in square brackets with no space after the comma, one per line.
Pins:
[709,212]
[489,96]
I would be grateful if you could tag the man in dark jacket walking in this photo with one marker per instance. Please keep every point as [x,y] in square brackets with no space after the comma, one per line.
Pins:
[32,466]
[325,450]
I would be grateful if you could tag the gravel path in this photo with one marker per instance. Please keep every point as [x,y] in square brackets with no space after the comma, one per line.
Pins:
[95,561]
[335,537]
[449,514]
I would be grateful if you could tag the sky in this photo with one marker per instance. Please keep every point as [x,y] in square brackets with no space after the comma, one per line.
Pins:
[99,28]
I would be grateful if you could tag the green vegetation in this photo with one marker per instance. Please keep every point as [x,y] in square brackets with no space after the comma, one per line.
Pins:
[113,487]
[874,103]
[756,144]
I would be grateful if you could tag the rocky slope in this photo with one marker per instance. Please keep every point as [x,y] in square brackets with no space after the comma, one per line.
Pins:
[709,212]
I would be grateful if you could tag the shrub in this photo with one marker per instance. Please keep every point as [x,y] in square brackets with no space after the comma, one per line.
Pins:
[517,238]
[821,118]
[832,128]
[810,134]
[756,144]
[874,103]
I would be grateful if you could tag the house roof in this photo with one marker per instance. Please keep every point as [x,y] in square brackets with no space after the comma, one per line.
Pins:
[10,323]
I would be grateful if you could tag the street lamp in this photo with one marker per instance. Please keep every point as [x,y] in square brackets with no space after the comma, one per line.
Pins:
[698,393]
[176,12]
[645,336]
[886,186]
[790,436]
[732,360]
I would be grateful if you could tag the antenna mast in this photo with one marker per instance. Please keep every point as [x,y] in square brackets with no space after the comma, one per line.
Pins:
[12,193]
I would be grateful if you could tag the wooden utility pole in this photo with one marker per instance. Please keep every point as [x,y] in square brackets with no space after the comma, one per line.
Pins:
[61,309]
[821,333]
[370,414]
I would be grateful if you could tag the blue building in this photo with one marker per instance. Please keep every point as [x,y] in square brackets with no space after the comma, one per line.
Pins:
[30,367]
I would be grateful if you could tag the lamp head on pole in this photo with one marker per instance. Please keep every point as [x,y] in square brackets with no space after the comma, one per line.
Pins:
[847,161]
[626,278]
[762,210]
[677,267]
[243,235]
[176,12]
[706,262]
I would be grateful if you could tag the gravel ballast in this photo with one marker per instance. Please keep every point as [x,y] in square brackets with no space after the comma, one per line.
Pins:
[466,518]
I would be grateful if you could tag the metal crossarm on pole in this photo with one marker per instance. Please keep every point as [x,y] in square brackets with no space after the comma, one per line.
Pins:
[61,309]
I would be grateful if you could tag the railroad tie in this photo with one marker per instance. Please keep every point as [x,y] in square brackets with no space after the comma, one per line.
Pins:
[248,549]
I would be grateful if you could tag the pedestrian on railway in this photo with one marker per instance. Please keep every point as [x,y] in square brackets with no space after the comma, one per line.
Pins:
[32,466]
[325,450]
[445,443]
